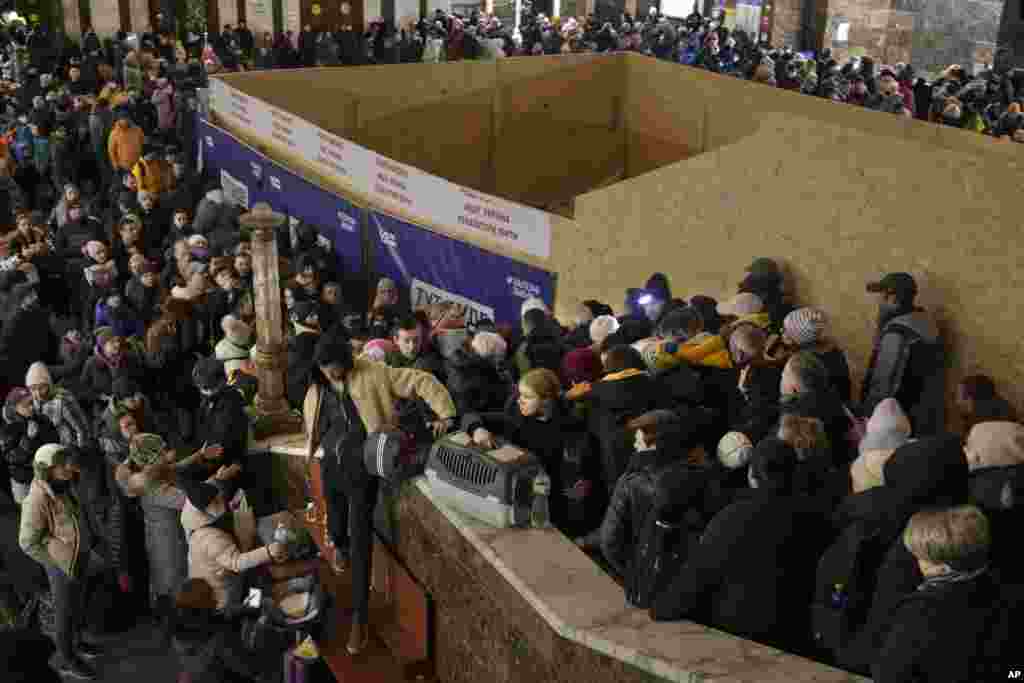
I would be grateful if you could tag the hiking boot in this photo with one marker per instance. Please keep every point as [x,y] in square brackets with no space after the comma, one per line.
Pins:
[76,668]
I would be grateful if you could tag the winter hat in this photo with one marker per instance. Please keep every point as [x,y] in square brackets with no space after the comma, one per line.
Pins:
[601,327]
[735,450]
[151,266]
[378,349]
[147,449]
[995,444]
[208,374]
[92,248]
[533,303]
[38,373]
[657,286]
[887,428]
[303,311]
[198,241]
[51,455]
[489,345]
[199,493]
[17,395]
[581,365]
[804,325]
[103,335]
[236,331]
[744,303]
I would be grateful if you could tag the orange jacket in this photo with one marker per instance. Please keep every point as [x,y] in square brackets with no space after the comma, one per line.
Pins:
[125,146]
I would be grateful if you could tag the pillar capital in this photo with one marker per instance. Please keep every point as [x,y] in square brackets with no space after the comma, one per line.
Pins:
[262,221]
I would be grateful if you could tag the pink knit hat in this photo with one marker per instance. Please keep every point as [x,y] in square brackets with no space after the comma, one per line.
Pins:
[888,427]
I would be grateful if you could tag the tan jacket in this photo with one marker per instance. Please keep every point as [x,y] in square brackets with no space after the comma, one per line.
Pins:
[213,553]
[49,528]
[375,387]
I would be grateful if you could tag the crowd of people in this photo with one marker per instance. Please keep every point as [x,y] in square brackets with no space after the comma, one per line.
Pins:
[710,455]
[986,102]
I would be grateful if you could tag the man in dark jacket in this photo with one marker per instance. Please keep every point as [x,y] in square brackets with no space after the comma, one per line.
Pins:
[221,420]
[734,579]
[305,317]
[907,362]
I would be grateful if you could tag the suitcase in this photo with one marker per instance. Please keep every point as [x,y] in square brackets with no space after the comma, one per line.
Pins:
[303,670]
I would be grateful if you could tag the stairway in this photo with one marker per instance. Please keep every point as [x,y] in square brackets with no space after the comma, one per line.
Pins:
[378,663]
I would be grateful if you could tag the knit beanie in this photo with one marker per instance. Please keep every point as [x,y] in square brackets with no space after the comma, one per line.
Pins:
[489,345]
[50,455]
[581,365]
[887,428]
[601,327]
[995,444]
[804,325]
[735,450]
[531,304]
[208,374]
[38,373]
[236,331]
[17,395]
[378,349]
[146,449]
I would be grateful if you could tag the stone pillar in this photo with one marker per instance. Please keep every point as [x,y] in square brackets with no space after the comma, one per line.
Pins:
[72,18]
[228,13]
[273,412]
[106,18]
[140,15]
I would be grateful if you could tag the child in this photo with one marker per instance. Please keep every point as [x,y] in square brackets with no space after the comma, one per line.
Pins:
[100,273]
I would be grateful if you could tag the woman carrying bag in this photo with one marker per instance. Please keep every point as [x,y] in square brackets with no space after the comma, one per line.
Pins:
[349,400]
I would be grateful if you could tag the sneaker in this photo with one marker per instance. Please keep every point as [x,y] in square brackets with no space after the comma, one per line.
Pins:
[88,651]
[76,668]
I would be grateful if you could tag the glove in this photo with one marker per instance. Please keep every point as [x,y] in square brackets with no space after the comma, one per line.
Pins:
[124,582]
[32,429]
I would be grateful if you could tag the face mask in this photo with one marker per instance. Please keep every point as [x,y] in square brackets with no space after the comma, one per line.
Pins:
[60,487]
[207,392]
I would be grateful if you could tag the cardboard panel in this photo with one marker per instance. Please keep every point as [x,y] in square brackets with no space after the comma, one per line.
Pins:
[840,207]
[304,92]
[424,137]
[561,135]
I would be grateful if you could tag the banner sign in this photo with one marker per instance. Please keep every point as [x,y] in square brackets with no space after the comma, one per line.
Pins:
[386,182]
[436,268]
[248,177]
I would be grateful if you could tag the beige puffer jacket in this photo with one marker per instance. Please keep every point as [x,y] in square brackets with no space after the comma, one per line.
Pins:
[214,553]
[49,528]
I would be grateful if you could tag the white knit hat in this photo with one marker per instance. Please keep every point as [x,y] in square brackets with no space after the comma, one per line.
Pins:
[531,304]
[804,325]
[38,373]
[601,327]
[489,345]
[734,450]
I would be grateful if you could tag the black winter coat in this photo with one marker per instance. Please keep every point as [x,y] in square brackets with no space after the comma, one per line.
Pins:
[477,385]
[300,366]
[753,572]
[651,478]
[222,419]
[18,446]
[957,632]
[927,472]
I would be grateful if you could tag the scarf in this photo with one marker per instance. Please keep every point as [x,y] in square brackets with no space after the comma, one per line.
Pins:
[954,576]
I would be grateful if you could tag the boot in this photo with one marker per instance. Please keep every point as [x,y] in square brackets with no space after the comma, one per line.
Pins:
[358,638]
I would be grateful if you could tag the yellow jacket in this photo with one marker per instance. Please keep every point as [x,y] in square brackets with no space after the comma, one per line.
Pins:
[154,176]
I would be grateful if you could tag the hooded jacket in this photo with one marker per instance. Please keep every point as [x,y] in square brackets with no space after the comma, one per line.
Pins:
[476,384]
[125,146]
[49,531]
[67,416]
[213,552]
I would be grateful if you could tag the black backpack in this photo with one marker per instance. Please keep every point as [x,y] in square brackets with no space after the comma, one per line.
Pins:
[665,538]
[845,584]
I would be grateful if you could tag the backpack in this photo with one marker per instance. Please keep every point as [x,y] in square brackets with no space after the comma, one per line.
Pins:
[929,361]
[845,584]
[665,539]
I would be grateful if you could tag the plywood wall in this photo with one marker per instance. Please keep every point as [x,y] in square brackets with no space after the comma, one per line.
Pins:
[560,134]
[839,206]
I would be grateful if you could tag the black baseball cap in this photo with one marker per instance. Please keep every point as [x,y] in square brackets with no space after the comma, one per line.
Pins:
[902,284]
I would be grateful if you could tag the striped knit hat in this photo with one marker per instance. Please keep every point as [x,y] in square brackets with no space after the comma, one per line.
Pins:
[804,325]
[147,449]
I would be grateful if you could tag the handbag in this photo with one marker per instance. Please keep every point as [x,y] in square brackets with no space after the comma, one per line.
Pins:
[393,455]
